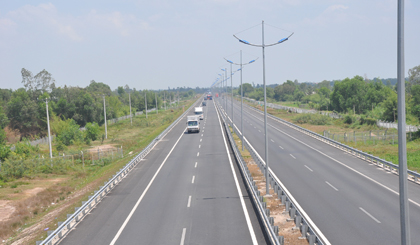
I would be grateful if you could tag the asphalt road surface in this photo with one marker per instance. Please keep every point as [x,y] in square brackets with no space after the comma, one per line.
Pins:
[188,190]
[350,200]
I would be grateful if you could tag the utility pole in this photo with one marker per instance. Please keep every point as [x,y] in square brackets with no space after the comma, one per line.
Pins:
[49,133]
[131,115]
[402,144]
[106,131]
[145,101]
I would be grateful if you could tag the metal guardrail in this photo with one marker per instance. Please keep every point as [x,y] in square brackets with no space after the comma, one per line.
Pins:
[389,166]
[303,223]
[55,236]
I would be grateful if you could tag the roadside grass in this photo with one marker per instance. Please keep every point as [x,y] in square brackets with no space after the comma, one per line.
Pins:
[386,151]
[59,194]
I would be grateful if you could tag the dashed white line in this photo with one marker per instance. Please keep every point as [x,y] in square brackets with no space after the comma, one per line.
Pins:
[198,153]
[183,236]
[331,185]
[292,156]
[192,181]
[309,168]
[201,135]
[195,165]
[199,146]
[259,130]
[281,147]
[189,202]
[272,140]
[371,216]
[201,140]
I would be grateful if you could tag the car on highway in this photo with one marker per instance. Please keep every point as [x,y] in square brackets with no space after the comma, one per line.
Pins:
[204,103]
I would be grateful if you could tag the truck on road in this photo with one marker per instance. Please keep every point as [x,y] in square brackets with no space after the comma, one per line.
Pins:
[193,124]
[199,112]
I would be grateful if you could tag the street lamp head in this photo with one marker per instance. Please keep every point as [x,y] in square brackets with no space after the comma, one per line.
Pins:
[223,69]
[283,40]
[243,41]
[229,61]
[251,61]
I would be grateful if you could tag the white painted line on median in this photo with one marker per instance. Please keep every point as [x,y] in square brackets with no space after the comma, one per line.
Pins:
[281,147]
[292,156]
[192,181]
[371,216]
[272,140]
[189,202]
[195,165]
[309,168]
[198,153]
[183,236]
[331,185]
[144,193]
[241,198]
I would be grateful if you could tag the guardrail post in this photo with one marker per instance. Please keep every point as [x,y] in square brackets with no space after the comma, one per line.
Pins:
[303,230]
[312,239]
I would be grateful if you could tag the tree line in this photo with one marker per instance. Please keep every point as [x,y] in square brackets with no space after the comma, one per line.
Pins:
[23,111]
[376,98]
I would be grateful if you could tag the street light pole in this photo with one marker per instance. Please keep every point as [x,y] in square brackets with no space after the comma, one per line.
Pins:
[402,144]
[106,130]
[49,133]
[263,45]
[231,91]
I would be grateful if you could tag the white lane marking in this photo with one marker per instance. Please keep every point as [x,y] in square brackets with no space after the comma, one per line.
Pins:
[189,202]
[292,156]
[144,193]
[281,147]
[203,130]
[259,130]
[183,236]
[198,153]
[201,140]
[248,220]
[272,140]
[201,135]
[255,127]
[199,146]
[195,165]
[371,216]
[335,160]
[331,185]
[192,181]
[309,168]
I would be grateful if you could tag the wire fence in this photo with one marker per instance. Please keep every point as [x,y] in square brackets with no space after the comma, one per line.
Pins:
[373,137]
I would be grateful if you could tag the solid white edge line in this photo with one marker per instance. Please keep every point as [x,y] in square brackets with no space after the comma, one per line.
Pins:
[183,236]
[193,178]
[144,193]
[241,198]
[328,183]
[371,216]
[344,165]
[189,202]
[309,168]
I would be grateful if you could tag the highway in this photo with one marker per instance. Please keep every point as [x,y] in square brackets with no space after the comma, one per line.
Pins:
[350,200]
[188,190]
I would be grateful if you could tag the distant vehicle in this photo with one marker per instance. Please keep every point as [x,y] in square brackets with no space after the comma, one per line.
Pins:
[210,97]
[199,112]
[217,95]
[193,124]
[205,97]
[204,103]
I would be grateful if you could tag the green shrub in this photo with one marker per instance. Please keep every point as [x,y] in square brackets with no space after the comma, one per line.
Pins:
[348,119]
[70,134]
[92,131]
[314,119]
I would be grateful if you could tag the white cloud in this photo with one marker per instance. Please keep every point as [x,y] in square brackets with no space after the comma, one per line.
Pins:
[6,24]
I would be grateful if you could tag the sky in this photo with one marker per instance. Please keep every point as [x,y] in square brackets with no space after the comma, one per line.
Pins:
[159,44]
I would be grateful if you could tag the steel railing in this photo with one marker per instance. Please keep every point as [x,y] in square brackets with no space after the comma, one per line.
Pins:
[302,221]
[72,220]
